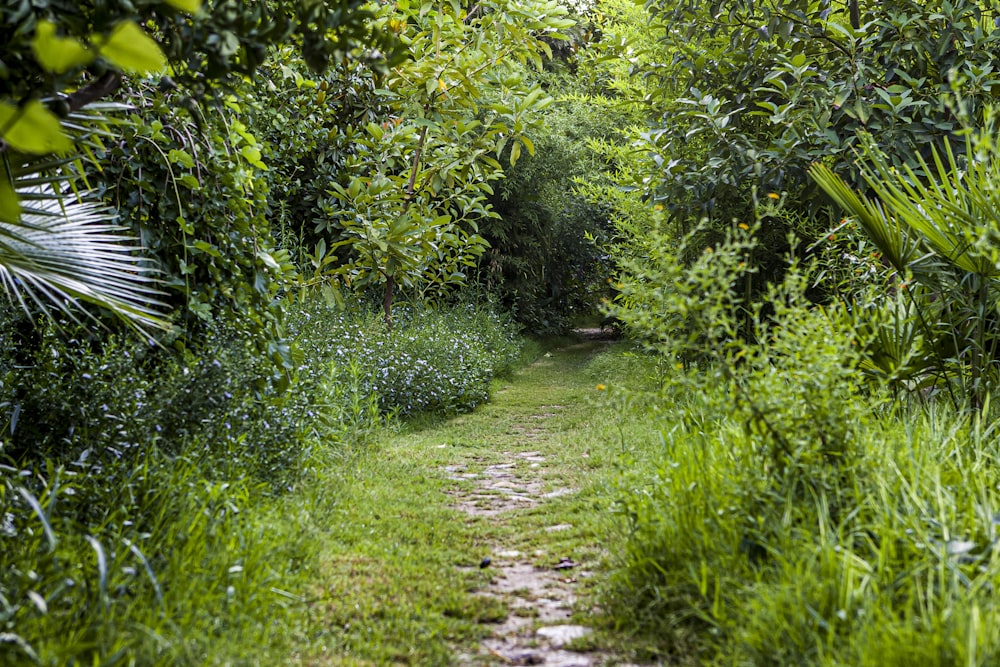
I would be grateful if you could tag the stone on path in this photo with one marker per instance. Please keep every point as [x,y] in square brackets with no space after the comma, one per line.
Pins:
[560,635]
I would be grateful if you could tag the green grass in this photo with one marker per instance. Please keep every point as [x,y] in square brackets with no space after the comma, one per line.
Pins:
[164,509]
[400,569]
[702,551]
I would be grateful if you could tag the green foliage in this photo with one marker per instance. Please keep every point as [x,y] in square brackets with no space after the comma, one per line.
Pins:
[746,99]
[64,252]
[416,185]
[756,106]
[143,495]
[435,360]
[136,491]
[787,516]
[545,256]
[887,563]
[306,124]
[790,370]
[56,46]
[936,227]
[58,59]
[194,194]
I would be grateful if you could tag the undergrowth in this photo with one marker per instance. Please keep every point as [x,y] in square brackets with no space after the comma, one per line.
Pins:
[162,507]
[793,515]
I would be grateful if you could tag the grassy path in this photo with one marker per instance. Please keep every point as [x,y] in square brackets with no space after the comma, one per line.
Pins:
[476,541]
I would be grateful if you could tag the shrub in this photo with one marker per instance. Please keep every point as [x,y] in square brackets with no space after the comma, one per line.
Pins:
[433,360]
[790,517]
[143,507]
[135,492]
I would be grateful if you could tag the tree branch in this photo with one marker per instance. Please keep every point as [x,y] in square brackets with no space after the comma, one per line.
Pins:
[94,91]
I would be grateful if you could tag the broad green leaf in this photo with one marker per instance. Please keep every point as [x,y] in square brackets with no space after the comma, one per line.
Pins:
[190,6]
[269,261]
[58,54]
[207,248]
[131,49]
[32,129]
[182,158]
[252,155]
[529,144]
[515,152]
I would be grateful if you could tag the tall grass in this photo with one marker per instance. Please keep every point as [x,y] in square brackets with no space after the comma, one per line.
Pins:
[791,514]
[892,562]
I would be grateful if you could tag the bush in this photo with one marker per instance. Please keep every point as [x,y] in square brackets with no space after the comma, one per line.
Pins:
[136,488]
[790,517]
[433,360]
[544,257]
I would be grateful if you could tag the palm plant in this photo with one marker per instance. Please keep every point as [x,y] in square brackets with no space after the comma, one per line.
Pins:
[63,252]
[59,251]
[937,225]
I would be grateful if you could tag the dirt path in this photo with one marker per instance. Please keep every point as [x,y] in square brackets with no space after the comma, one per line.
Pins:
[480,540]
[520,485]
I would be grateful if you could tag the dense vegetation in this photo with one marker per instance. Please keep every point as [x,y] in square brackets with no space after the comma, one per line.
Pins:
[240,238]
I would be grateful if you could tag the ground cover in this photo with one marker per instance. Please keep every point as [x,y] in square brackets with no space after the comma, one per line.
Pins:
[168,508]
[479,540]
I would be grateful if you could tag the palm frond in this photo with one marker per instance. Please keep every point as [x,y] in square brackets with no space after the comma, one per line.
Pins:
[940,206]
[892,237]
[63,253]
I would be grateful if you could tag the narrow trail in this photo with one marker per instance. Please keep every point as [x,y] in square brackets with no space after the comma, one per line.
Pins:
[480,541]
[530,468]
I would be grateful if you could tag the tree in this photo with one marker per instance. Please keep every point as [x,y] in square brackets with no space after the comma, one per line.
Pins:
[752,95]
[419,181]
[59,59]
[56,250]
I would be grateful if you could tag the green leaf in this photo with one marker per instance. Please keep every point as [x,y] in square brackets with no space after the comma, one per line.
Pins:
[182,158]
[131,49]
[63,252]
[252,155]
[58,54]
[190,6]
[32,129]
[529,144]
[515,152]
[269,261]
[207,248]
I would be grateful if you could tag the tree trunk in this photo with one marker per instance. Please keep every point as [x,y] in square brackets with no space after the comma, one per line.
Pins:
[390,284]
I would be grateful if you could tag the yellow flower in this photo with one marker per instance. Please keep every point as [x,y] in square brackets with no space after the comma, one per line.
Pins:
[601,387]
[744,226]
[773,195]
